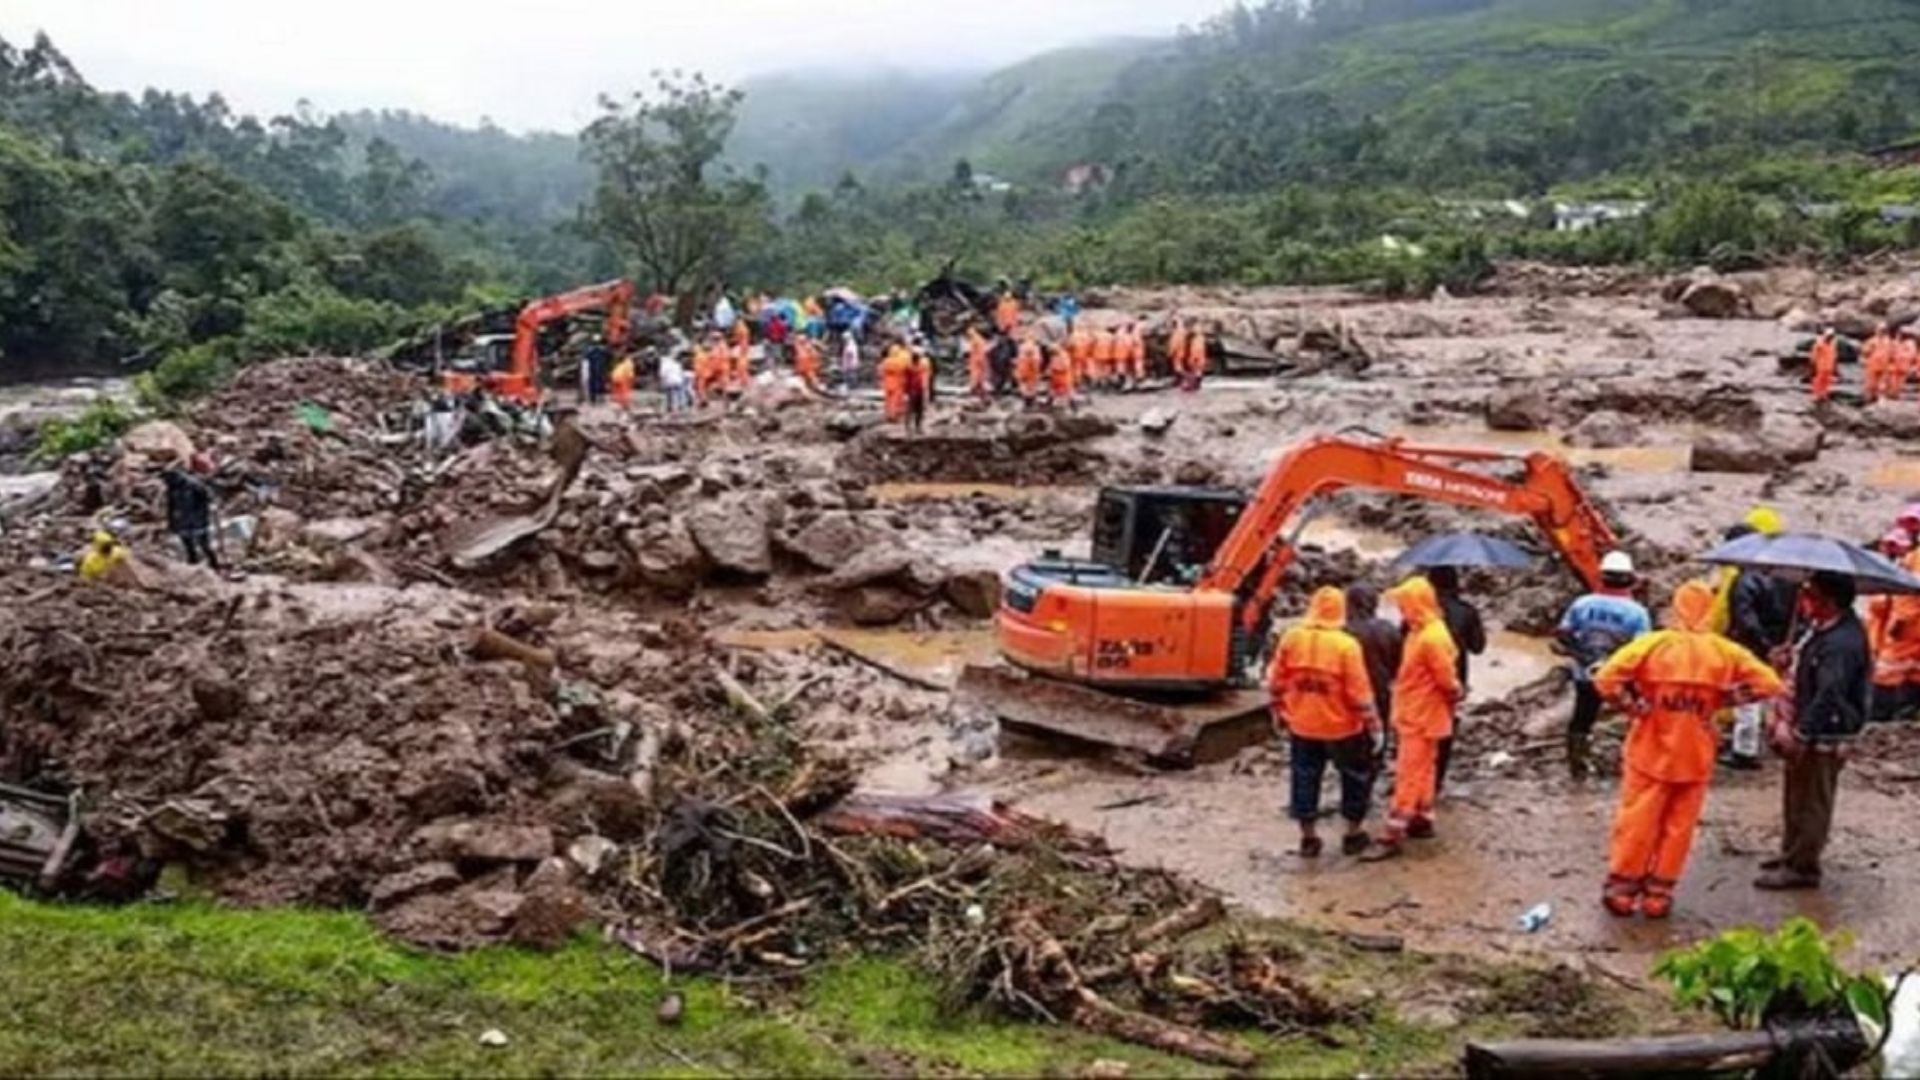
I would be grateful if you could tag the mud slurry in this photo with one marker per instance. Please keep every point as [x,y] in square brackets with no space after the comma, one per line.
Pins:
[333,730]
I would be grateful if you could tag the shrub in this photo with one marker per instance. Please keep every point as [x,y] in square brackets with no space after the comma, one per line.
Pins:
[101,423]
[1743,975]
[185,373]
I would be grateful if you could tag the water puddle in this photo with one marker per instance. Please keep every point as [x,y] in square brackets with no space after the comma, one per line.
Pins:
[1512,661]
[928,658]
[1902,475]
[1666,457]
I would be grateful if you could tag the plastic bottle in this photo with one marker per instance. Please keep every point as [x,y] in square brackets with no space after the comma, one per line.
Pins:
[1536,917]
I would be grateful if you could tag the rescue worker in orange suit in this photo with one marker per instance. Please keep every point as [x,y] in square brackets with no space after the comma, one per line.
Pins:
[740,372]
[1060,381]
[978,374]
[1671,682]
[1006,313]
[1893,637]
[1196,366]
[1106,357]
[893,380]
[1177,350]
[620,382]
[1080,351]
[1323,701]
[1026,371]
[806,362]
[1425,691]
[1905,365]
[1826,363]
[1876,362]
[741,335]
[709,365]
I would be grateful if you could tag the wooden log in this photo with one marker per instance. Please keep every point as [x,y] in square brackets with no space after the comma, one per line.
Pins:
[1182,921]
[1739,1050]
[491,644]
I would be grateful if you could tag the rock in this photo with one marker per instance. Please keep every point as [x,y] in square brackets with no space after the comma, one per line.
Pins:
[1605,429]
[493,1038]
[1157,421]
[486,841]
[552,907]
[974,592]
[890,564]
[1778,442]
[830,540]
[590,853]
[600,561]
[437,876]
[846,424]
[1196,473]
[217,698]
[1519,409]
[1107,1069]
[162,440]
[337,532]
[878,605]
[672,1008]
[1715,298]
[1672,289]
[733,533]
[666,558]
[1800,321]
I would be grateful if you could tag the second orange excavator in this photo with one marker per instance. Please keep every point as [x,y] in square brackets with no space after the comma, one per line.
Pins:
[517,375]
[1151,642]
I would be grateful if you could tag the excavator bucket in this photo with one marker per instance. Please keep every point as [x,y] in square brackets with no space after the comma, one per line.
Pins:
[1169,735]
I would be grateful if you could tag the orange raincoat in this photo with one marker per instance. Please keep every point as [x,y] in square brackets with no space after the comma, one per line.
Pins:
[1877,364]
[806,361]
[1106,354]
[1135,354]
[1060,376]
[1424,694]
[1319,676]
[1826,362]
[1080,351]
[1904,366]
[893,380]
[1006,314]
[977,369]
[1026,369]
[741,334]
[1893,634]
[1673,681]
[741,372]
[620,382]
[1196,360]
[1177,350]
[706,371]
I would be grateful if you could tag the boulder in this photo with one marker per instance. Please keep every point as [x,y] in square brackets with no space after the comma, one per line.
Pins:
[1519,409]
[1604,429]
[1779,441]
[889,564]
[423,878]
[878,605]
[734,535]
[485,841]
[1714,298]
[666,558]
[975,593]
[829,540]
[162,440]
[846,424]
[1157,421]
[1800,321]
[337,532]
[551,908]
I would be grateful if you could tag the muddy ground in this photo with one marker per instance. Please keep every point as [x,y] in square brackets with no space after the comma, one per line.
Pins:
[345,707]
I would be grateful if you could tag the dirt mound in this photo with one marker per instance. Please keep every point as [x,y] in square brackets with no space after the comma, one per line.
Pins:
[1024,449]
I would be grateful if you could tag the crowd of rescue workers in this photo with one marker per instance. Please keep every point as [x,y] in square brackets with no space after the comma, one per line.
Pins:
[1744,663]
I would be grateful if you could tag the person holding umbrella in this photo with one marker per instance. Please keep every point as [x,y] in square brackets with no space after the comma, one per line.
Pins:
[1830,671]
[1832,678]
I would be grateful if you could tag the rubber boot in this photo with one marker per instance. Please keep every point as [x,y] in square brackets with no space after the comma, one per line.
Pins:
[1578,746]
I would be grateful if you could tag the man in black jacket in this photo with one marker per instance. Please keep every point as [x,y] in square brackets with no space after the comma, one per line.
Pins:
[190,509]
[1380,642]
[1469,633]
[1832,680]
[1759,617]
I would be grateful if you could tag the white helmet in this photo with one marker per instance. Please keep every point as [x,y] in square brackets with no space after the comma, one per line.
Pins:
[1617,562]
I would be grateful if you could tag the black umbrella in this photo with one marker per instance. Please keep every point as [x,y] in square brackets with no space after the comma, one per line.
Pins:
[1464,549]
[1799,555]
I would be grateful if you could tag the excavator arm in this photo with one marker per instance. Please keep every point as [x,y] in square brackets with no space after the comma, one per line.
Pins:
[1254,558]
[616,297]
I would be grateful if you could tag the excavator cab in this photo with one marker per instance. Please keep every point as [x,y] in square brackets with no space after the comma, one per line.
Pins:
[1163,534]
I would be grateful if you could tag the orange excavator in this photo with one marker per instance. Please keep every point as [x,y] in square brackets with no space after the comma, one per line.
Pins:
[517,374]
[1149,644]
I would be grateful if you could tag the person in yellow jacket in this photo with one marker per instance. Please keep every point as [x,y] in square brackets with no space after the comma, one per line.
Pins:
[1323,702]
[105,554]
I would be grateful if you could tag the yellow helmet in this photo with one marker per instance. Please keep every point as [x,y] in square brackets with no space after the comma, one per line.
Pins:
[1765,521]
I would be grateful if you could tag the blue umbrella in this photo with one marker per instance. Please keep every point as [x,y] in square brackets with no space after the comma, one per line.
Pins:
[1464,549]
[1799,555]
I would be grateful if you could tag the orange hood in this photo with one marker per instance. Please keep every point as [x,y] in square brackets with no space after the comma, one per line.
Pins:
[1417,601]
[1692,606]
[1327,610]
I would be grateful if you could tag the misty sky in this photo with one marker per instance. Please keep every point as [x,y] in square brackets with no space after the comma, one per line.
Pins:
[539,63]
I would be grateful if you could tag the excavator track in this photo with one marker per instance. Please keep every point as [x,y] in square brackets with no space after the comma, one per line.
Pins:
[1177,735]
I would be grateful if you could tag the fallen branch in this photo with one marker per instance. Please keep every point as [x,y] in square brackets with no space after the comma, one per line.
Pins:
[491,644]
[1182,921]
[740,697]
